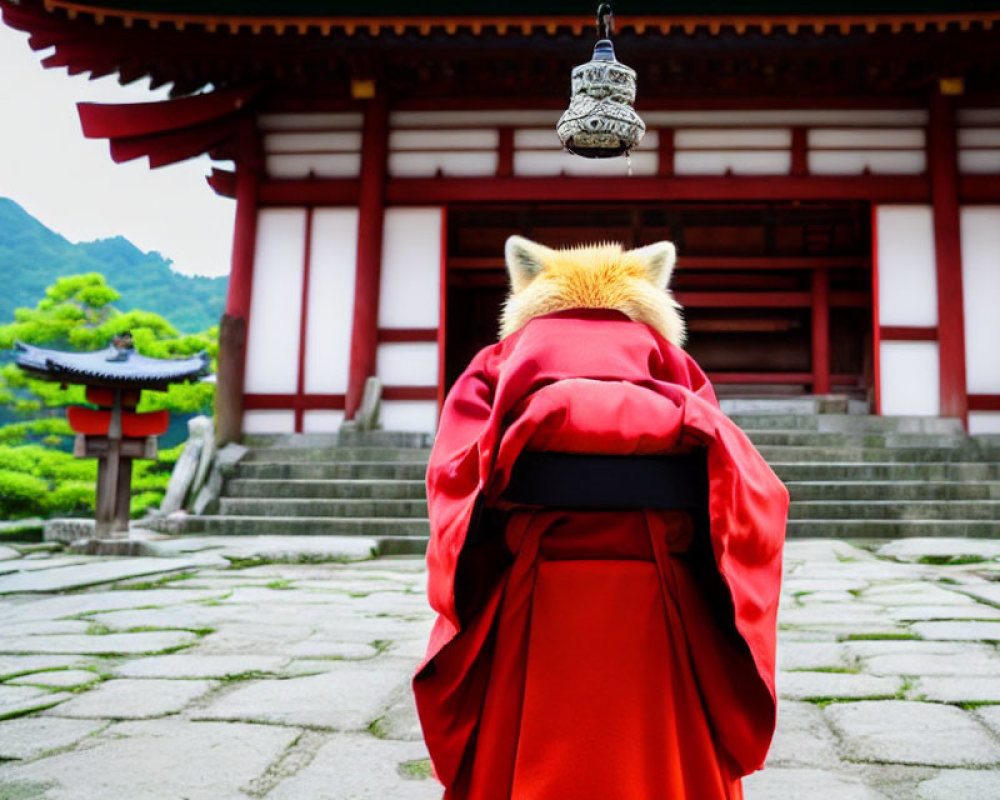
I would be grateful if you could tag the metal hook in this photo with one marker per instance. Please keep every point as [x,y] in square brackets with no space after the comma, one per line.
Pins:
[605,21]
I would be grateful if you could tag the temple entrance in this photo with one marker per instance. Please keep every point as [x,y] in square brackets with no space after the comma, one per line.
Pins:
[777,296]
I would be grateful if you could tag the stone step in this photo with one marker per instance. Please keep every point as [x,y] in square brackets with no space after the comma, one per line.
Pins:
[321,507]
[386,489]
[306,526]
[848,423]
[900,510]
[890,528]
[886,471]
[806,404]
[296,470]
[336,454]
[342,439]
[765,438]
[893,490]
[789,453]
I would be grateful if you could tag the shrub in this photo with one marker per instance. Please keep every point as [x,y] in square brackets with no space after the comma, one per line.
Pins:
[22,495]
[143,501]
[73,497]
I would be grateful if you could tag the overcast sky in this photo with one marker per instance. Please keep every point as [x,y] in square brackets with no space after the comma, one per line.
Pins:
[72,185]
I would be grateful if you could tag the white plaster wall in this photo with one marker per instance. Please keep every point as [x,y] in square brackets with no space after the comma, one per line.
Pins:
[909,372]
[738,162]
[559,162]
[409,415]
[907,280]
[744,119]
[980,227]
[901,138]
[321,165]
[410,289]
[407,363]
[309,120]
[331,299]
[427,164]
[479,138]
[981,422]
[978,161]
[276,302]
[729,137]
[855,162]
[270,421]
[321,421]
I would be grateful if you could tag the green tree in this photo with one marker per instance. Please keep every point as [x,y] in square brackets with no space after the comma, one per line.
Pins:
[77,313]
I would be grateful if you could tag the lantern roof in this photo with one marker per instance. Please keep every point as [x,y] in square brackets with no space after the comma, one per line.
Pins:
[113,367]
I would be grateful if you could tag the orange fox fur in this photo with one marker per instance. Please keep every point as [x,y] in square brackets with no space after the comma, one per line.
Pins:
[634,282]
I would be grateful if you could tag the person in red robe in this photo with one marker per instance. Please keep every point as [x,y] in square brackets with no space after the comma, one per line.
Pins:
[622,653]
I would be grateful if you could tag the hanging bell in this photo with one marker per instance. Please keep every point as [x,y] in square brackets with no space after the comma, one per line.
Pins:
[600,121]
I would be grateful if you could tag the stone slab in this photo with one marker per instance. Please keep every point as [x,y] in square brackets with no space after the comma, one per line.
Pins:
[812,655]
[359,767]
[8,553]
[344,699]
[779,783]
[835,685]
[156,760]
[971,611]
[916,548]
[29,737]
[107,644]
[802,738]
[35,627]
[400,721]
[93,601]
[79,576]
[18,665]
[124,698]
[58,679]
[959,631]
[324,647]
[965,689]
[955,783]
[197,665]
[991,716]
[968,664]
[906,732]
[16,700]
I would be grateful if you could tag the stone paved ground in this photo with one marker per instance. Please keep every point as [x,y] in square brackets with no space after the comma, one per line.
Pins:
[204,669]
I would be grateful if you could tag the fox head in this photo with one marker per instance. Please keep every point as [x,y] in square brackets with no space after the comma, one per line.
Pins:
[544,280]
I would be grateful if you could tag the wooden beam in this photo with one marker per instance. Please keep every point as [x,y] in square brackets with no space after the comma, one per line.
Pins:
[820,340]
[908,333]
[686,263]
[942,155]
[300,384]
[371,219]
[407,335]
[984,402]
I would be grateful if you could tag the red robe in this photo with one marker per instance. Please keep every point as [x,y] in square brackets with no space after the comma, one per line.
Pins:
[595,655]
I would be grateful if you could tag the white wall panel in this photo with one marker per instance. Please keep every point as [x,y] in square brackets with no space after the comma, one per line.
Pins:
[427,164]
[547,138]
[902,138]
[556,162]
[435,119]
[907,277]
[320,140]
[722,139]
[979,137]
[407,363]
[321,421]
[983,422]
[331,299]
[855,162]
[419,139]
[269,421]
[978,161]
[909,373]
[738,162]
[980,227]
[410,289]
[276,302]
[979,116]
[409,415]
[321,165]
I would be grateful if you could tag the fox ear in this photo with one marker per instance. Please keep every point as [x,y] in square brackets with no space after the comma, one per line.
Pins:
[659,260]
[525,260]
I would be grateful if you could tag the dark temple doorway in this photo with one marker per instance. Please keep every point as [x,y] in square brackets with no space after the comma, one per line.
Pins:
[777,296]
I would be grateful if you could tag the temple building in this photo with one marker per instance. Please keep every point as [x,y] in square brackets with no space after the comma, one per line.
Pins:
[830,173]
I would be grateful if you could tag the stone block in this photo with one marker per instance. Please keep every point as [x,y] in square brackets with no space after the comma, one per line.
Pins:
[105,645]
[29,737]
[134,699]
[955,783]
[156,759]
[835,685]
[917,548]
[94,573]
[975,663]
[15,700]
[959,631]
[802,738]
[778,783]
[906,732]
[951,689]
[199,666]
[57,679]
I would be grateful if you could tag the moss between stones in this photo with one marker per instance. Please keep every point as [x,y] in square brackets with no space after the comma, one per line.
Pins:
[950,560]
[416,770]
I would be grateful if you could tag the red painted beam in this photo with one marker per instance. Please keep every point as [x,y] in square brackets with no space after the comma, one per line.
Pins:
[300,386]
[293,402]
[911,333]
[310,192]
[979,188]
[943,169]
[820,295]
[505,152]
[768,299]
[790,378]
[371,219]
[881,188]
[409,393]
[984,402]
[407,335]
[705,262]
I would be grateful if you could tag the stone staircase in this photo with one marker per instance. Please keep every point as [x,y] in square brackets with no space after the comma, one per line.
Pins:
[850,476]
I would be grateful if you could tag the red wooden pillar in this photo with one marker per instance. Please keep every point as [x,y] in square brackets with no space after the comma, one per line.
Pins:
[943,170]
[236,319]
[371,218]
[821,331]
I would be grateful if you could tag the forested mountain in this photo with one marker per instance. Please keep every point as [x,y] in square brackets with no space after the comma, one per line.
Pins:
[32,257]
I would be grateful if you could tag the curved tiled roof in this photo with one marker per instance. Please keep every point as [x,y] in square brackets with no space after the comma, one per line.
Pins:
[103,367]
